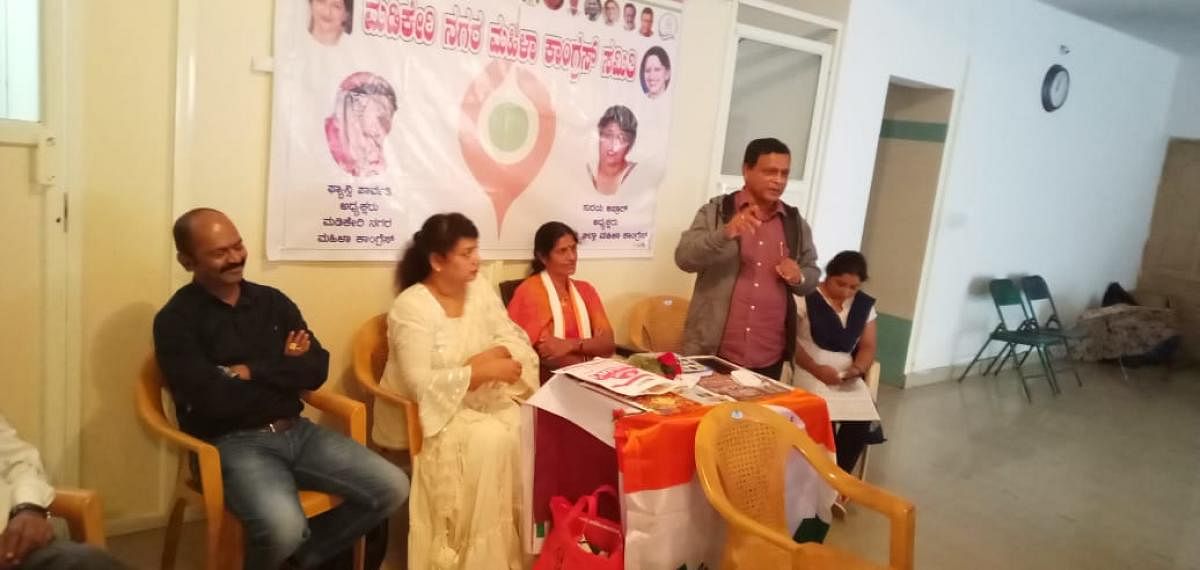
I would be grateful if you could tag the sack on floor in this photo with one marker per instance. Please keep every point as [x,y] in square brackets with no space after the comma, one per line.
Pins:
[580,539]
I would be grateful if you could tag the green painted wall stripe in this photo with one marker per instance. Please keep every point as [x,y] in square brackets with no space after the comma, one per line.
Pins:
[913,131]
[892,334]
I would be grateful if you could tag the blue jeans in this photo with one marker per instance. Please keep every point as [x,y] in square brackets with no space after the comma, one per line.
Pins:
[65,555]
[263,471]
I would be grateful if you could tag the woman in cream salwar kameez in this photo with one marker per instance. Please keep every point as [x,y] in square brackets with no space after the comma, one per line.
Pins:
[453,350]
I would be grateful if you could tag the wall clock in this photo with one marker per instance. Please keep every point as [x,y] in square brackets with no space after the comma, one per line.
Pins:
[1055,86]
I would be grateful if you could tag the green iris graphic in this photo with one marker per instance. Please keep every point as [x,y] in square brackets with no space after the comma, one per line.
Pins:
[508,127]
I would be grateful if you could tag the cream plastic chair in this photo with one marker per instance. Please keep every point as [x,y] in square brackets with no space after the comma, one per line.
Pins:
[872,380]
[656,323]
[370,356]
[741,449]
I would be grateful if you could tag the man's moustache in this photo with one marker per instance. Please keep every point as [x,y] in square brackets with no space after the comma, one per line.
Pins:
[229,268]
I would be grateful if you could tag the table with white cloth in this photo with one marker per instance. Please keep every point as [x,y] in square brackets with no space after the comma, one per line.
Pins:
[575,439]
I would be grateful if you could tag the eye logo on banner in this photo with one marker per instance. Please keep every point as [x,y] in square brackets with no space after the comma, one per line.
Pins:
[506,132]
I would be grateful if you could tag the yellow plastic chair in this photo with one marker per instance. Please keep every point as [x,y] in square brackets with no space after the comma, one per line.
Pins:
[741,449]
[223,536]
[370,356]
[83,512]
[656,323]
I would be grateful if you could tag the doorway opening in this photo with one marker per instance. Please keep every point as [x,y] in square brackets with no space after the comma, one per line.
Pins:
[908,165]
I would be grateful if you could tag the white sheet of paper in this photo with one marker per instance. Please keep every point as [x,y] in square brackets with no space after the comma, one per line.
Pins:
[690,380]
[849,401]
[585,408]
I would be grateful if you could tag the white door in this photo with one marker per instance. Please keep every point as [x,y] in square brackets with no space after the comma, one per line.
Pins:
[33,227]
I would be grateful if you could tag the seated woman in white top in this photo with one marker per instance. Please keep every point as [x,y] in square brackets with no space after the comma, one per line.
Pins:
[453,349]
[835,342]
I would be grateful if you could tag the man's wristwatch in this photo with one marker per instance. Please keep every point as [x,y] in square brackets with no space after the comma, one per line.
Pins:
[28,508]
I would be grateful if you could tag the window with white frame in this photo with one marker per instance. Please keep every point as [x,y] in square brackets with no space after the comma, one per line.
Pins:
[19,60]
[782,60]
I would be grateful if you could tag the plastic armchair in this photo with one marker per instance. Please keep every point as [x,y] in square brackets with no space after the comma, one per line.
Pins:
[82,510]
[370,356]
[223,533]
[656,323]
[872,380]
[741,452]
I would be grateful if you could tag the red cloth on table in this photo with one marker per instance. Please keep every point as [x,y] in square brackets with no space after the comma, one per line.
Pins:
[569,462]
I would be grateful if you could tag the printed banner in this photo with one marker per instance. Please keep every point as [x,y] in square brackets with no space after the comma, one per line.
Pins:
[514,113]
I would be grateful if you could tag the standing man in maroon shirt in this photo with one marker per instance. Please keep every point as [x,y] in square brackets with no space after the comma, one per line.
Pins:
[751,253]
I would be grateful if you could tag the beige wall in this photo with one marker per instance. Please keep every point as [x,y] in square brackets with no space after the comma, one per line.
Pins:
[128,77]
[129,200]
[902,195]
[21,300]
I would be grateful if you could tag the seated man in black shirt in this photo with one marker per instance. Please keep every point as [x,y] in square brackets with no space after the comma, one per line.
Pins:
[236,356]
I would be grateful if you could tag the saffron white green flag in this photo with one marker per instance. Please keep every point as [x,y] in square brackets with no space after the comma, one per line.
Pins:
[668,522]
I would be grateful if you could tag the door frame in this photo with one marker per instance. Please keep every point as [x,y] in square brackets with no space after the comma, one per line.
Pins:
[55,145]
[937,219]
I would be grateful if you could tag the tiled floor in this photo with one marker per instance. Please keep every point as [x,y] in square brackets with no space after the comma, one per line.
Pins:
[143,550]
[1103,476]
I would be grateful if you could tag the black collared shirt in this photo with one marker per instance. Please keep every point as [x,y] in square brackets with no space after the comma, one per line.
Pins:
[196,333]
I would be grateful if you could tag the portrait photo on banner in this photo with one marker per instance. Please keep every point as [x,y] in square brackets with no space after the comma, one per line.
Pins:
[513,113]
[330,19]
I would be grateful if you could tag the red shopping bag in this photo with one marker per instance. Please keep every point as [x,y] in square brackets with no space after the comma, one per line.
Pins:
[581,540]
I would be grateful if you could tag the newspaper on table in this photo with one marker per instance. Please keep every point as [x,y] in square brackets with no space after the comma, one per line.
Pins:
[727,384]
[619,377]
[731,381]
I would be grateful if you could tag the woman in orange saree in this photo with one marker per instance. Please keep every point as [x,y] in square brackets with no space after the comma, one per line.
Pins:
[563,317]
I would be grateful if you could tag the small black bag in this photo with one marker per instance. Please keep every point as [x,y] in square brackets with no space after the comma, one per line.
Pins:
[1115,294]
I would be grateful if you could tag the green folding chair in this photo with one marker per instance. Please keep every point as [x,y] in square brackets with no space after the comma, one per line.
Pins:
[996,362]
[1036,291]
[1005,294]
[1037,294]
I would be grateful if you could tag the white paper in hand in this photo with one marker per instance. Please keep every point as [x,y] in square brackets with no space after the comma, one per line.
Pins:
[848,401]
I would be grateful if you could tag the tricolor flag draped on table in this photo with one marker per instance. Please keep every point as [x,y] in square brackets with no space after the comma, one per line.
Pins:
[668,520]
